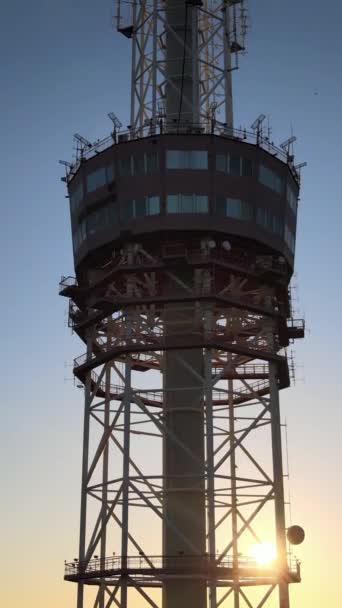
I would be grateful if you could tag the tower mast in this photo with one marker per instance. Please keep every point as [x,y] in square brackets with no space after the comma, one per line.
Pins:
[184,240]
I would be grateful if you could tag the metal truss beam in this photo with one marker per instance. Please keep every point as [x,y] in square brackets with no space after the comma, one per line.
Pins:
[210,44]
[239,385]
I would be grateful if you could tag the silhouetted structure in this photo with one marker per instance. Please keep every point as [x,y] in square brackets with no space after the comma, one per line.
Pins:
[184,235]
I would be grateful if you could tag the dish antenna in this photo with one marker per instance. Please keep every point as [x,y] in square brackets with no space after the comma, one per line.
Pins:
[258,122]
[287,143]
[300,166]
[116,122]
[82,140]
[257,126]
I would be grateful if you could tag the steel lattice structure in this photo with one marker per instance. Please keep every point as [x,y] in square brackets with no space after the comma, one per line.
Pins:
[184,237]
[243,371]
[221,28]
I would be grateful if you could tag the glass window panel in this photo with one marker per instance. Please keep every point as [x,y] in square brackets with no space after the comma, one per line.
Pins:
[265,176]
[187,159]
[246,211]
[139,165]
[152,162]
[125,167]
[289,238]
[127,210]
[174,159]
[271,179]
[247,167]
[198,159]
[277,225]
[202,205]
[279,184]
[221,162]
[291,198]
[153,205]
[172,203]
[97,220]
[96,179]
[261,217]
[221,206]
[82,232]
[140,208]
[112,214]
[75,240]
[269,220]
[234,208]
[265,219]
[234,165]
[187,203]
[76,196]
[110,173]
[92,221]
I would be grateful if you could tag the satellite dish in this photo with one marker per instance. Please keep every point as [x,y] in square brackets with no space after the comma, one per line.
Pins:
[295,535]
[226,245]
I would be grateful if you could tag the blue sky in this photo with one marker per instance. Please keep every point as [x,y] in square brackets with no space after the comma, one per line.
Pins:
[63,69]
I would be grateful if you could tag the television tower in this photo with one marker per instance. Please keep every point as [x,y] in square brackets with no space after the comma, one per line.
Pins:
[184,238]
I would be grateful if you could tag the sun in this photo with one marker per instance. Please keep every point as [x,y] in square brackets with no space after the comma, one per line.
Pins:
[263,553]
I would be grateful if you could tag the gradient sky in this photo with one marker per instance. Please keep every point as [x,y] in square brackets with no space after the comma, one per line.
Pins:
[62,70]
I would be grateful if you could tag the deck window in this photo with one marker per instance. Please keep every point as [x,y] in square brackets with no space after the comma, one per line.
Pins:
[271,179]
[76,196]
[187,203]
[186,159]
[234,207]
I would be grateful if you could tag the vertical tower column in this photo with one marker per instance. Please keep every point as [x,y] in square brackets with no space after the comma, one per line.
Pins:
[228,69]
[279,504]
[182,82]
[210,473]
[231,415]
[184,531]
[85,459]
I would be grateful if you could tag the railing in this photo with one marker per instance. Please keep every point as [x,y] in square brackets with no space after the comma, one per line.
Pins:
[158,341]
[163,127]
[84,359]
[252,368]
[67,282]
[183,562]
[156,395]
[253,387]
[296,324]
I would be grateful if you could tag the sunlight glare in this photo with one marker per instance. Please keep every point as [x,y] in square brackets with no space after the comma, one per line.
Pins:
[263,553]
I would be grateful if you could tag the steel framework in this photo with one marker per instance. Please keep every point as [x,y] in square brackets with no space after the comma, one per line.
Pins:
[236,302]
[185,350]
[215,35]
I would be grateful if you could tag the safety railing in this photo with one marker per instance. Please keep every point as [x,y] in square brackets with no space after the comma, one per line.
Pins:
[157,342]
[157,395]
[67,282]
[298,324]
[185,562]
[253,387]
[164,127]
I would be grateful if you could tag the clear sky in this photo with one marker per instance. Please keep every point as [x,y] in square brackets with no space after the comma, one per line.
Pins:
[62,70]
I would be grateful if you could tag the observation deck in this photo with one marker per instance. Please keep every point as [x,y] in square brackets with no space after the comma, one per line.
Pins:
[161,181]
[161,127]
[153,570]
